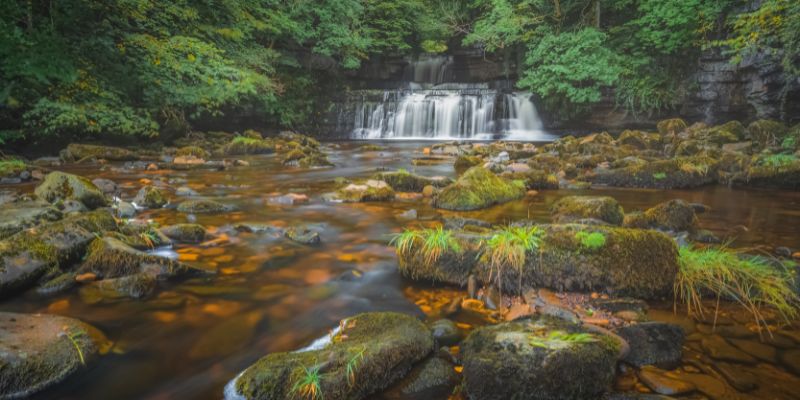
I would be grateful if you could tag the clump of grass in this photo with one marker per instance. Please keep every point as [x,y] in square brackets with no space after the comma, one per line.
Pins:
[11,166]
[559,340]
[352,365]
[777,160]
[752,282]
[591,240]
[150,238]
[692,167]
[308,386]
[509,247]
[73,337]
[432,243]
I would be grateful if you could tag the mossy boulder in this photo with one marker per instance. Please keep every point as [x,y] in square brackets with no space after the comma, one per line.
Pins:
[185,233]
[192,151]
[243,145]
[671,126]
[453,266]
[78,152]
[63,186]
[404,181]
[28,255]
[38,351]
[636,139]
[673,215]
[151,197]
[433,378]
[202,206]
[540,358]
[592,258]
[535,180]
[729,132]
[108,257]
[767,133]
[378,347]
[369,190]
[781,171]
[478,188]
[574,208]
[137,286]
[464,162]
[680,172]
[19,215]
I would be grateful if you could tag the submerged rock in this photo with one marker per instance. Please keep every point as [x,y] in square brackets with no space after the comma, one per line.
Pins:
[653,343]
[111,258]
[575,208]
[39,350]
[539,358]
[62,186]
[478,188]
[366,354]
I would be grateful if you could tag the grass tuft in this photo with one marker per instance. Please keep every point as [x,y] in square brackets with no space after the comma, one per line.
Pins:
[11,166]
[432,243]
[508,248]
[752,282]
[308,386]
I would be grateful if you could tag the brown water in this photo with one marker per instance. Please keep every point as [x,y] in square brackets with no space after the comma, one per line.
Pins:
[270,294]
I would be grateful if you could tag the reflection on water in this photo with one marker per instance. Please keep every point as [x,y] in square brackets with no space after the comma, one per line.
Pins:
[270,294]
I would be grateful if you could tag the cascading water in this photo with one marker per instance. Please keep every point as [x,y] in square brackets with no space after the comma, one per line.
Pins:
[431,107]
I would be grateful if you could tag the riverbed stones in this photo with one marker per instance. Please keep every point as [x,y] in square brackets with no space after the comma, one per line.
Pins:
[719,349]
[478,188]
[380,347]
[38,351]
[151,197]
[537,358]
[63,186]
[574,208]
[653,343]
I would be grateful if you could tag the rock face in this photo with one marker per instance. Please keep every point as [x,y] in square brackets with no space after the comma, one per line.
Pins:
[574,208]
[540,358]
[368,353]
[62,186]
[478,188]
[653,343]
[38,351]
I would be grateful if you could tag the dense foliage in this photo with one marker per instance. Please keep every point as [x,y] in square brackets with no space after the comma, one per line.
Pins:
[147,68]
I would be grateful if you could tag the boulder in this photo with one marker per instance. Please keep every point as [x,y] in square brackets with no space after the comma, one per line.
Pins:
[366,354]
[433,378]
[78,152]
[653,343]
[539,358]
[676,173]
[369,190]
[575,208]
[150,197]
[478,188]
[38,351]
[18,215]
[242,145]
[107,186]
[202,207]
[185,233]
[446,332]
[111,258]
[673,215]
[767,133]
[404,181]
[303,235]
[62,186]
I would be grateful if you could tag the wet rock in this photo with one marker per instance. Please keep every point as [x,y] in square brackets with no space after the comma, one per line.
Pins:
[126,210]
[432,378]
[404,181]
[80,152]
[679,172]
[653,343]
[614,304]
[62,186]
[303,235]
[38,351]
[150,197]
[106,186]
[719,349]
[710,386]
[658,381]
[384,347]
[573,208]
[185,233]
[370,190]
[737,377]
[18,215]
[537,358]
[408,215]
[60,283]
[446,332]
[136,286]
[185,191]
[288,199]
[704,236]
[758,350]
[111,258]
[478,188]
[791,360]
[673,215]
[202,207]
[71,206]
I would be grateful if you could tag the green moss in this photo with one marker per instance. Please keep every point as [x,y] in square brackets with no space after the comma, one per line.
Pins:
[365,191]
[79,152]
[242,145]
[192,151]
[591,240]
[385,344]
[673,215]
[62,186]
[730,132]
[404,181]
[536,180]
[637,139]
[765,170]
[464,162]
[436,255]
[151,197]
[671,126]
[185,233]
[767,133]
[478,188]
[108,257]
[574,208]
[12,166]
[509,247]
[680,172]
[202,207]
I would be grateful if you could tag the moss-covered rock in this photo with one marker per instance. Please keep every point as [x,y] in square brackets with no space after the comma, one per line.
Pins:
[478,188]
[767,133]
[111,258]
[433,378]
[673,215]
[465,162]
[62,186]
[540,358]
[78,152]
[202,207]
[185,233]
[680,172]
[729,132]
[369,190]
[619,261]
[404,181]
[780,171]
[303,235]
[151,197]
[453,266]
[574,208]
[19,215]
[39,350]
[243,145]
[192,151]
[671,126]
[136,286]
[367,354]
[535,180]
[636,139]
